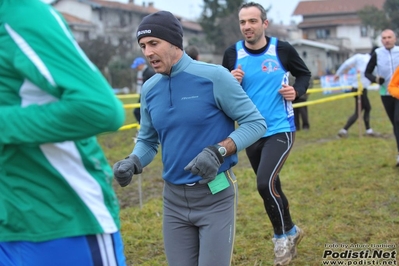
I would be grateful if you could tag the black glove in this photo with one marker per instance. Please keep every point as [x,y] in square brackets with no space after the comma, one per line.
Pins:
[381,80]
[126,168]
[206,164]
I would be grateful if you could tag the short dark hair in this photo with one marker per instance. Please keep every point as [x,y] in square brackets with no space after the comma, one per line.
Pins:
[192,51]
[263,14]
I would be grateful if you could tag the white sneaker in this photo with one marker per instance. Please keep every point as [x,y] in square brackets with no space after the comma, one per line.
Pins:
[397,161]
[370,132]
[282,254]
[342,133]
[294,241]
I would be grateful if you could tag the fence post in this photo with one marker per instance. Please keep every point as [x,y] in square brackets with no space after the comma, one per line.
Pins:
[140,192]
[359,102]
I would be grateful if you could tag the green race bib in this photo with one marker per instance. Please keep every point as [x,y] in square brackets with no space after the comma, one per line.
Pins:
[219,183]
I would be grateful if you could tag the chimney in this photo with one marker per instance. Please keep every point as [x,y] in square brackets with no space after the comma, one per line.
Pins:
[131,1]
[150,4]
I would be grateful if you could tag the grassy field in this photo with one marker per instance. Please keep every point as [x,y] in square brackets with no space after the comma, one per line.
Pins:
[341,191]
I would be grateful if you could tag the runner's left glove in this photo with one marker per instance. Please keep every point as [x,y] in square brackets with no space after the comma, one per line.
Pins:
[126,168]
[206,164]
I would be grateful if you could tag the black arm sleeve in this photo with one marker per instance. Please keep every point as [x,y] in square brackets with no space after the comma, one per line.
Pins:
[370,68]
[229,58]
[293,63]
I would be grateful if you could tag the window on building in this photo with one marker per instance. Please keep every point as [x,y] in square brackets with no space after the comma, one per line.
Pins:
[322,33]
[363,31]
[122,20]
[304,54]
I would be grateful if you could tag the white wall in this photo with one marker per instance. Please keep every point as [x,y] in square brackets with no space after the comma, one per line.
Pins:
[76,9]
[353,33]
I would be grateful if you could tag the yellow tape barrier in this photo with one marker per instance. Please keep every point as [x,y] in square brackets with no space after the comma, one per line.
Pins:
[327,99]
[295,105]
[337,97]
[130,126]
[127,96]
[129,106]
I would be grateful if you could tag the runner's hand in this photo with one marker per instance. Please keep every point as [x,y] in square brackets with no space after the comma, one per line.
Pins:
[206,164]
[126,168]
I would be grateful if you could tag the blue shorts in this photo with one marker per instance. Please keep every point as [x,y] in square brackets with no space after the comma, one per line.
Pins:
[91,250]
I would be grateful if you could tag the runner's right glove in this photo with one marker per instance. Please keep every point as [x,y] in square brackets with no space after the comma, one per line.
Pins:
[126,168]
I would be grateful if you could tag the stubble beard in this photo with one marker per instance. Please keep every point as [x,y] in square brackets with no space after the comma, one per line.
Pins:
[253,41]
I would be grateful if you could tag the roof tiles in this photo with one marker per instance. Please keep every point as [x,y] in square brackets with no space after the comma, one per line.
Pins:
[319,7]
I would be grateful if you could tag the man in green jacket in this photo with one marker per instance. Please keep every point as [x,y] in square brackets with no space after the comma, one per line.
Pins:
[57,205]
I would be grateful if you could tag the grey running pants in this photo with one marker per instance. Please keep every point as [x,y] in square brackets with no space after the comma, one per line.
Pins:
[198,226]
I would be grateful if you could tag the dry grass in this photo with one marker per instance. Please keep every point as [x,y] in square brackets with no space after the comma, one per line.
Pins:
[340,191]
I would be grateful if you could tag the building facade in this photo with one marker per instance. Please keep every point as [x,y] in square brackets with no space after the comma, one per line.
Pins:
[336,22]
[117,22]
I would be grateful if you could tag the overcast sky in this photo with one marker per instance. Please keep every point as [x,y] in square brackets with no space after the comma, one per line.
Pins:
[281,10]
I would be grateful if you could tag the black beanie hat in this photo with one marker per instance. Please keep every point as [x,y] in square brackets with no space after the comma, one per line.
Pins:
[163,25]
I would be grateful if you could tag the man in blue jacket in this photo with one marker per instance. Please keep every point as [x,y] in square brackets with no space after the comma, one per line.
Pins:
[190,108]
[263,65]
